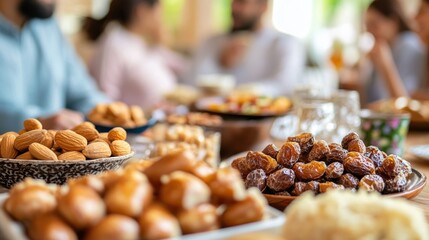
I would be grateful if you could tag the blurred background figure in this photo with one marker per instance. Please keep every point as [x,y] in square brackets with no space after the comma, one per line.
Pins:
[422,20]
[397,59]
[251,52]
[130,64]
[41,77]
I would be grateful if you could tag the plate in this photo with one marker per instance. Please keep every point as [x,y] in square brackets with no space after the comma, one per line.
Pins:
[137,130]
[415,185]
[421,151]
[203,106]
[11,230]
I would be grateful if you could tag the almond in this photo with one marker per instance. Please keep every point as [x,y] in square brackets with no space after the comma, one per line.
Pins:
[72,155]
[25,156]
[137,115]
[120,148]
[97,150]
[48,140]
[7,149]
[41,152]
[14,133]
[70,141]
[32,124]
[22,131]
[105,140]
[24,140]
[87,130]
[117,133]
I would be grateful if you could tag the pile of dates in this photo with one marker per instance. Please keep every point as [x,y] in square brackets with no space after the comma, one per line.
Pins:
[303,164]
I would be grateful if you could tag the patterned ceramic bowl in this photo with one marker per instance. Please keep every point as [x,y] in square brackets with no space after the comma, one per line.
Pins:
[386,131]
[55,171]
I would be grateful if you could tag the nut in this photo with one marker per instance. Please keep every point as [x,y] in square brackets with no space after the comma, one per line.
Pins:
[120,148]
[72,155]
[32,124]
[41,152]
[97,150]
[25,156]
[117,133]
[87,130]
[7,149]
[70,141]
[24,140]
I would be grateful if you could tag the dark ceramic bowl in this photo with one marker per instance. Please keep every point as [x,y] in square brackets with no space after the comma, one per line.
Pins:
[137,130]
[55,171]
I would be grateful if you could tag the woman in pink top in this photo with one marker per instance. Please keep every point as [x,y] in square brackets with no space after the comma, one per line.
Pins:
[129,64]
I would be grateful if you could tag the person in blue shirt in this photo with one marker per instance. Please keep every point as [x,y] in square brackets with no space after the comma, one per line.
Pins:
[40,74]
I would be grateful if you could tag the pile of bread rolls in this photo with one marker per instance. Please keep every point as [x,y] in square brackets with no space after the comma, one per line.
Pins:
[172,196]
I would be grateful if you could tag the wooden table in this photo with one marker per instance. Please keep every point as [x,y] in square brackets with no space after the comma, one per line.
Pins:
[413,139]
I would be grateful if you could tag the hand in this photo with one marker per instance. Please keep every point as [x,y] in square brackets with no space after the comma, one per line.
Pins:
[233,51]
[381,54]
[64,119]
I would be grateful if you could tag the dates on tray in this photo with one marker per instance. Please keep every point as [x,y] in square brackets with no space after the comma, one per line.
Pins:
[304,164]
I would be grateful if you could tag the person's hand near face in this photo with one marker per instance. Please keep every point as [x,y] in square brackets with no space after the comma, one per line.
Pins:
[234,51]
[64,119]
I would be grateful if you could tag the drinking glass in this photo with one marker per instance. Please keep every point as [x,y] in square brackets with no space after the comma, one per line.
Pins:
[347,110]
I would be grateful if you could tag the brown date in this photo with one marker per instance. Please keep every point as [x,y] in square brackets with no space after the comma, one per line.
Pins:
[319,151]
[356,145]
[334,146]
[256,160]
[309,171]
[323,187]
[284,193]
[305,141]
[375,155]
[393,166]
[271,150]
[334,170]
[348,138]
[256,178]
[348,180]
[396,184]
[289,154]
[358,165]
[281,180]
[301,187]
[336,155]
[372,183]
[241,165]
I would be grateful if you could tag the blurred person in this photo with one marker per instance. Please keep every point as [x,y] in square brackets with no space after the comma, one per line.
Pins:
[422,20]
[130,64]
[40,75]
[252,52]
[397,57]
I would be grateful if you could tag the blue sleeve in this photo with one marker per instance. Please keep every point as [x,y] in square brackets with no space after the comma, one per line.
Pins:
[82,93]
[410,61]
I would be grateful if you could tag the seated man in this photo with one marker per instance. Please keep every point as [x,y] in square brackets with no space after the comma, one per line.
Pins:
[40,75]
[252,53]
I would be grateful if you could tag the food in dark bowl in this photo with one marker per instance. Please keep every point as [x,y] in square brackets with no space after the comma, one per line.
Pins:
[303,164]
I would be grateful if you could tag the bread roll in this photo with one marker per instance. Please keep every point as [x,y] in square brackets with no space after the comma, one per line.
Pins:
[50,226]
[81,206]
[156,222]
[114,227]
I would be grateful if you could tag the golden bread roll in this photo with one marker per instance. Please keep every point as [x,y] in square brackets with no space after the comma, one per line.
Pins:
[156,222]
[25,204]
[114,227]
[250,209]
[81,206]
[50,226]
[182,190]
[201,218]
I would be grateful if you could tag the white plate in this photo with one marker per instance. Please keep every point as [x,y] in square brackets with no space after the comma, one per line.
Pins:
[11,230]
[421,151]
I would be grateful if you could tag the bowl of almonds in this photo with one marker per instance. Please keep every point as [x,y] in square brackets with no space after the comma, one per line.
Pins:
[55,156]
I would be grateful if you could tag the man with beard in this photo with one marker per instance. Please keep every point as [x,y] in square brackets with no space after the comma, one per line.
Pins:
[40,75]
[255,55]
